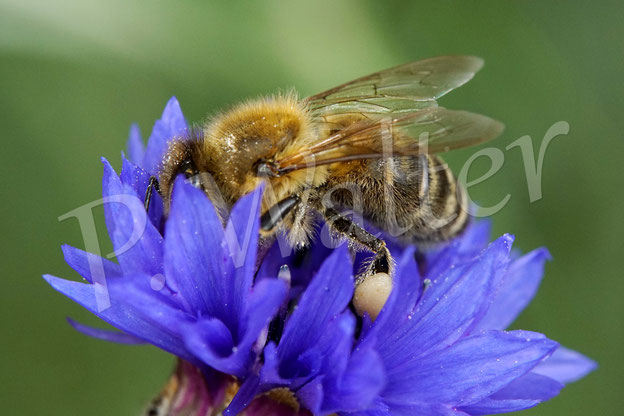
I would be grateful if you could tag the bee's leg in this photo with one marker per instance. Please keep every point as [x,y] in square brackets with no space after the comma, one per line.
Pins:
[382,262]
[153,183]
[277,212]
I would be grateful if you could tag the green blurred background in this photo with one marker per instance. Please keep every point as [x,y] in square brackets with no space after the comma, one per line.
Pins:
[74,75]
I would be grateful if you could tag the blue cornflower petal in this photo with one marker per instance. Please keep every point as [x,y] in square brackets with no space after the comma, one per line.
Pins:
[138,179]
[246,393]
[196,266]
[135,310]
[335,348]
[471,369]
[105,334]
[566,366]
[81,262]
[518,287]
[467,245]
[136,148]
[476,237]
[303,265]
[241,233]
[212,298]
[450,305]
[350,385]
[522,393]
[170,125]
[298,354]
[212,341]
[230,314]
[137,243]
[433,364]
[262,304]
[315,356]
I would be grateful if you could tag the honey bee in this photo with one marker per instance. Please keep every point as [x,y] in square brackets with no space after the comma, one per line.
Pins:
[367,148]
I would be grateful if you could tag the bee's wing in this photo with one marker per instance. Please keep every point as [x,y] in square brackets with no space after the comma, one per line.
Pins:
[405,88]
[431,130]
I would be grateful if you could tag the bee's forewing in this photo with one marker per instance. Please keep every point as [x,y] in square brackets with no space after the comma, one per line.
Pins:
[440,130]
[432,130]
[407,87]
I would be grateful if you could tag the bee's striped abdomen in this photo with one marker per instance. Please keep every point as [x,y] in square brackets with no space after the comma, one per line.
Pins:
[444,203]
[414,198]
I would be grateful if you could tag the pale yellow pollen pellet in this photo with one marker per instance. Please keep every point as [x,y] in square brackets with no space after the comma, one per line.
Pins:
[371,295]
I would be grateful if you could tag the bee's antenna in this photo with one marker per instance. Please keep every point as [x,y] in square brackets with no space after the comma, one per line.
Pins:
[153,183]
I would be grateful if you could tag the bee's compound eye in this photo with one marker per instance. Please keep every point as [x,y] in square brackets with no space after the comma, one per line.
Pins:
[186,167]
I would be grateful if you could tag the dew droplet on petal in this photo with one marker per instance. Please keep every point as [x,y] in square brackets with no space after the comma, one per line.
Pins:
[157,282]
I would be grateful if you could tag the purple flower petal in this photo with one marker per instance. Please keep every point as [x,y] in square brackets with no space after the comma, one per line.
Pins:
[87,263]
[566,366]
[522,393]
[467,245]
[244,396]
[211,340]
[302,264]
[471,369]
[429,409]
[209,284]
[311,396]
[170,125]
[241,238]
[326,297]
[449,306]
[517,289]
[194,256]
[355,386]
[334,350]
[231,353]
[136,148]
[137,243]
[139,179]
[476,238]
[105,334]
[144,315]
[242,231]
[262,304]
[318,361]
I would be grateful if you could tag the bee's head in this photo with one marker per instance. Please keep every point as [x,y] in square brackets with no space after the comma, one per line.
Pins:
[185,157]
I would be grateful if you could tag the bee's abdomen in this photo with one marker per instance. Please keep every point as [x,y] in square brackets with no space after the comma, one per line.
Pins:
[442,205]
[414,198]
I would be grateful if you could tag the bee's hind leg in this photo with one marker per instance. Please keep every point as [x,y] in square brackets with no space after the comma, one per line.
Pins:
[374,284]
[381,263]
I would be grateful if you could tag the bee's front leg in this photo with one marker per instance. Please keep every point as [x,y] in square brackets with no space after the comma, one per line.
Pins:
[277,212]
[153,184]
